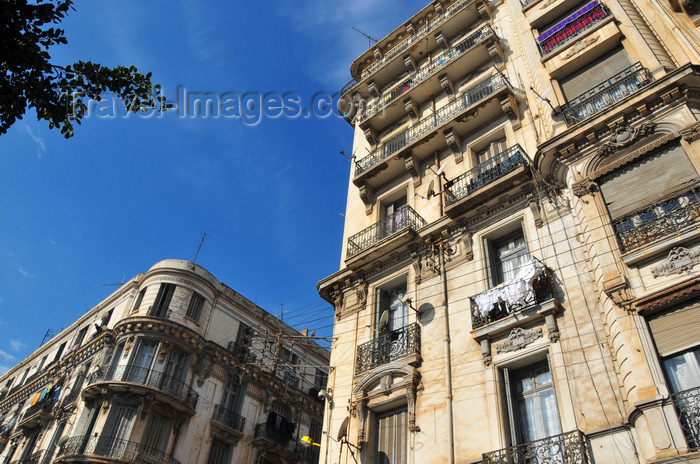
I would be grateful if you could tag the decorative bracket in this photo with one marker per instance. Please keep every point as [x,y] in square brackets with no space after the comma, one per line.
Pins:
[411,107]
[455,143]
[417,264]
[370,135]
[367,197]
[446,84]
[372,88]
[413,167]
[495,52]
[442,41]
[410,63]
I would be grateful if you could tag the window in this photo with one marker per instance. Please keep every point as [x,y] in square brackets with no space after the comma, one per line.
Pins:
[390,302]
[683,370]
[194,310]
[241,347]
[532,403]
[175,371]
[142,361]
[219,453]
[139,299]
[79,338]
[41,364]
[162,303]
[321,379]
[157,433]
[288,362]
[391,437]
[118,431]
[509,253]
[396,216]
[491,150]
[59,352]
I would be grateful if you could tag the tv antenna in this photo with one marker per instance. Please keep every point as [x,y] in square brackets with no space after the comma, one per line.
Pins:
[543,97]
[204,235]
[431,185]
[116,285]
[363,33]
[47,336]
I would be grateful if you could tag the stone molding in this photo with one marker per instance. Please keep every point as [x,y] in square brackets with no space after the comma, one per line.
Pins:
[678,261]
[518,339]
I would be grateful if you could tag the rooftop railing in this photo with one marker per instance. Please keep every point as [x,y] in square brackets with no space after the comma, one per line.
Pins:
[687,404]
[485,173]
[571,27]
[402,219]
[228,418]
[114,448]
[603,95]
[477,92]
[566,448]
[531,286]
[388,347]
[421,32]
[660,219]
[427,70]
[152,378]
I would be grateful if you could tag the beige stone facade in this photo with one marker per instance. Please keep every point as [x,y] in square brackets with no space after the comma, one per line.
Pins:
[519,278]
[173,367]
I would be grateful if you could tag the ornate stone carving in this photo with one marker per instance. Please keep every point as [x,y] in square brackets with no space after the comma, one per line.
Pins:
[579,46]
[370,135]
[552,328]
[442,41]
[484,10]
[623,136]
[204,365]
[128,345]
[413,167]
[495,52]
[367,197]
[336,294]
[446,84]
[377,52]
[692,133]
[518,339]
[417,265]
[361,287]
[409,63]
[509,106]
[486,351]
[536,210]
[372,88]
[466,242]
[410,29]
[411,107]
[615,286]
[411,406]
[454,142]
[544,5]
[679,260]
[583,187]
[164,352]
[361,417]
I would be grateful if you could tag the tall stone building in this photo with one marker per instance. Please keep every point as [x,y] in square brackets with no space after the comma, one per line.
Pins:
[519,279]
[173,367]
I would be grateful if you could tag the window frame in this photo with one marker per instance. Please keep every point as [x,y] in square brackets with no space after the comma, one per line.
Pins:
[195,308]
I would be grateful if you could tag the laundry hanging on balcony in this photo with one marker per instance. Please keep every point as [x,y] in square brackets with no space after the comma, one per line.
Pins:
[511,291]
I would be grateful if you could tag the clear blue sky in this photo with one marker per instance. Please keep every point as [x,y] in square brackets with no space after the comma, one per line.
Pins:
[125,193]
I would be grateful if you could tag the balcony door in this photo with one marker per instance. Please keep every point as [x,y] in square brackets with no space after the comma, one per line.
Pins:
[143,360]
[175,371]
[114,442]
[509,254]
[396,216]
[532,402]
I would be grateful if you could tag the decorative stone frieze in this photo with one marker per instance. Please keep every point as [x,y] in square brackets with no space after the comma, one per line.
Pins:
[679,260]
[518,339]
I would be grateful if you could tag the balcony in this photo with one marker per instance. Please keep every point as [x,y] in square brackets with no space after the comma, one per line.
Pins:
[112,450]
[484,181]
[571,27]
[671,216]
[606,93]
[124,377]
[37,414]
[405,219]
[424,127]
[228,418]
[687,405]
[567,448]
[35,458]
[406,84]
[388,347]
[510,302]
[406,43]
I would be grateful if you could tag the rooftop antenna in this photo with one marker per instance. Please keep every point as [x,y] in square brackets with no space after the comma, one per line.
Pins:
[363,33]
[204,234]
[116,285]
[47,336]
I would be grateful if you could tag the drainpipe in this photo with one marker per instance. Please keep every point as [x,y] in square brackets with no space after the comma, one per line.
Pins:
[448,362]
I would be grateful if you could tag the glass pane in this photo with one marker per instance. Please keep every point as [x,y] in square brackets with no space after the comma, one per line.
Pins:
[682,371]
[528,419]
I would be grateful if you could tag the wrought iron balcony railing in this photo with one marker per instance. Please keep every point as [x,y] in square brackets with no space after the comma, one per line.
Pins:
[661,219]
[421,32]
[279,437]
[423,127]
[525,3]
[108,447]
[35,458]
[427,70]
[566,448]
[571,27]
[531,286]
[687,404]
[403,219]
[603,95]
[229,418]
[485,173]
[388,347]
[42,406]
[151,378]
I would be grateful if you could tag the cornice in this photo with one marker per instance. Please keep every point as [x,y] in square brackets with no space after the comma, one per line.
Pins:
[668,297]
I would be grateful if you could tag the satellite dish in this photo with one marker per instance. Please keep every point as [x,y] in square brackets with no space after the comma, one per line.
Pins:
[343,430]
[431,185]
[383,320]
[63,440]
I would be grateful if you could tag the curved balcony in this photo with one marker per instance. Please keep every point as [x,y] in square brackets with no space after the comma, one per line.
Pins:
[406,43]
[405,219]
[406,85]
[605,94]
[164,386]
[35,458]
[228,418]
[37,414]
[388,347]
[565,448]
[486,180]
[475,96]
[110,450]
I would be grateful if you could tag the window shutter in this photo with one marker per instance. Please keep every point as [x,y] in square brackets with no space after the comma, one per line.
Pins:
[589,76]
[637,185]
[676,330]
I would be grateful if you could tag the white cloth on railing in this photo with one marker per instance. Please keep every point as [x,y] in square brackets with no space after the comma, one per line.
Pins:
[509,292]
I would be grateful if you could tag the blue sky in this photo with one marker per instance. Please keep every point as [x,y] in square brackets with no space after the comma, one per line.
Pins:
[125,193]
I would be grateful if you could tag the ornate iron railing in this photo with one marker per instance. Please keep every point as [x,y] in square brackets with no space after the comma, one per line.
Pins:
[279,437]
[42,406]
[166,383]
[477,92]
[595,100]
[108,447]
[427,70]
[388,347]
[660,219]
[571,27]
[566,448]
[33,459]
[229,418]
[402,219]
[421,32]
[485,173]
[241,350]
[498,302]
[687,404]
[525,3]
